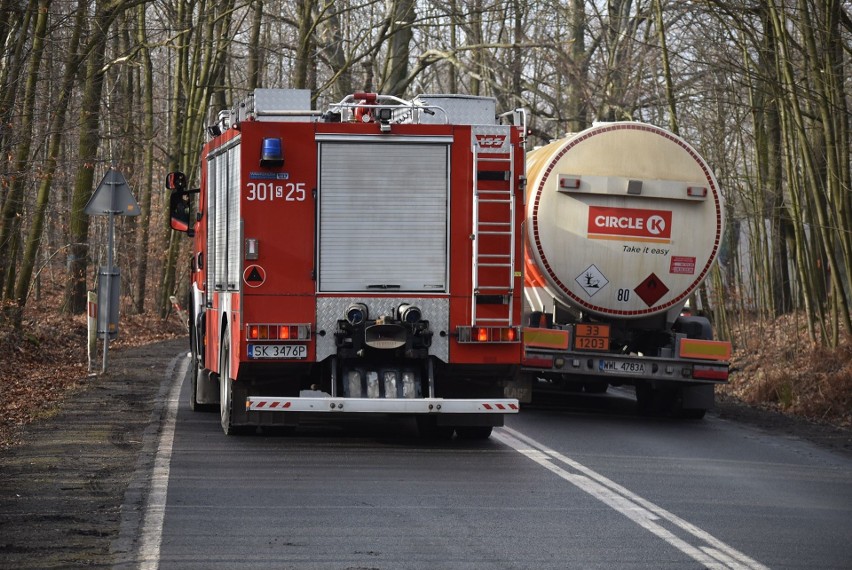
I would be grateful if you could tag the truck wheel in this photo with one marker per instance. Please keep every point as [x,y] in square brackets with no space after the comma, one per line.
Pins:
[654,401]
[692,414]
[644,400]
[193,388]
[595,387]
[428,428]
[226,389]
[226,392]
[474,432]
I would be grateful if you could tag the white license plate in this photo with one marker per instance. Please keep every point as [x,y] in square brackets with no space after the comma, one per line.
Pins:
[616,367]
[277,351]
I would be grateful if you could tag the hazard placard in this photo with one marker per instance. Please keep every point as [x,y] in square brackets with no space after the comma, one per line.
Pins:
[651,290]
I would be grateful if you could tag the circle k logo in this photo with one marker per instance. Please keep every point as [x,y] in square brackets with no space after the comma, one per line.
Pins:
[656,225]
[625,223]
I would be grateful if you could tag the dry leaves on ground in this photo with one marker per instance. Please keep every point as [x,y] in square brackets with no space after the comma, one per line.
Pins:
[47,360]
[776,366]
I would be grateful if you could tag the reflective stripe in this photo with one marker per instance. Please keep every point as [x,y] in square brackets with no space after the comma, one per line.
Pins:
[705,349]
[546,338]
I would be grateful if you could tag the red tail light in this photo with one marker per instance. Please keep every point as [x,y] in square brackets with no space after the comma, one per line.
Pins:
[473,335]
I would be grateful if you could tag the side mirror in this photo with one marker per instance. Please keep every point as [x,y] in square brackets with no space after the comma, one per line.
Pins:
[176,181]
[179,210]
[180,205]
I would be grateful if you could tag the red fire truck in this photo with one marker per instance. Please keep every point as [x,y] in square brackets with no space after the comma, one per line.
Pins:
[362,260]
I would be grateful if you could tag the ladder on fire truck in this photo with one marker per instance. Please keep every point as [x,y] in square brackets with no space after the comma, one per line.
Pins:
[494,238]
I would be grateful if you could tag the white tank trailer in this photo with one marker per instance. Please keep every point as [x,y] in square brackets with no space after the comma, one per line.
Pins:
[623,223]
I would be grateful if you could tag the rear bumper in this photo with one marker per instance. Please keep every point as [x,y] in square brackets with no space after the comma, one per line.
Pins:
[382,405]
[625,369]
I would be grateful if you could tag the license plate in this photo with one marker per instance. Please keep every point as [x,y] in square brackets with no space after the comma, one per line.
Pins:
[615,367]
[277,351]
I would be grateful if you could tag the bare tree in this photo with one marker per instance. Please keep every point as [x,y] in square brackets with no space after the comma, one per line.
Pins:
[13,206]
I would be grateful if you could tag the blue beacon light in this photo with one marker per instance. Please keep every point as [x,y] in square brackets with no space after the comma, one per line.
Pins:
[272,152]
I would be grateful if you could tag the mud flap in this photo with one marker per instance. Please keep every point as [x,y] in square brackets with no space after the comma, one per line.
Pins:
[519,387]
[206,388]
[698,397]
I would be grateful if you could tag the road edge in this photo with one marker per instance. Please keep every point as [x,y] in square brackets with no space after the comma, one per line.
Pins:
[142,486]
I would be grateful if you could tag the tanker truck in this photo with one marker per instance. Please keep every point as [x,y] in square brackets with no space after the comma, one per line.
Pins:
[623,223]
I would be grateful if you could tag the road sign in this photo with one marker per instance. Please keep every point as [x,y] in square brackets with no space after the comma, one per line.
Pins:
[112,196]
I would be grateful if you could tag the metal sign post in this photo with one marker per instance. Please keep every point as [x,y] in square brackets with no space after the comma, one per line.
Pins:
[111,198]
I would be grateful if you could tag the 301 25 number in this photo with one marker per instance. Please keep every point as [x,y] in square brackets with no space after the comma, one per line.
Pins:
[268,191]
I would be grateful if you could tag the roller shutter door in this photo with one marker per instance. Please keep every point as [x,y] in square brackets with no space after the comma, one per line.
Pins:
[383,217]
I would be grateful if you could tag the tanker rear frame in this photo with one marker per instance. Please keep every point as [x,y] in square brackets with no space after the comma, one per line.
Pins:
[674,368]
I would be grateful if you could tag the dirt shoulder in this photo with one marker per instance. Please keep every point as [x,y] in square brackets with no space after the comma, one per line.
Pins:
[832,438]
[64,484]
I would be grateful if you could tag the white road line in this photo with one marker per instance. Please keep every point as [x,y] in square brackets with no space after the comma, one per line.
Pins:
[711,552]
[155,507]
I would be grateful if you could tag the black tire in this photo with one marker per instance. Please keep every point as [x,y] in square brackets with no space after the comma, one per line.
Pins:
[428,428]
[193,388]
[595,387]
[474,432]
[644,400]
[226,392]
[226,389]
[654,401]
[692,414]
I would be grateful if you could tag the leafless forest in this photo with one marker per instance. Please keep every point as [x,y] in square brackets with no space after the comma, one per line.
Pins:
[762,89]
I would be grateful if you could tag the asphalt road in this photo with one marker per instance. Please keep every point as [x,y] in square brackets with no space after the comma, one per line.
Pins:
[577,482]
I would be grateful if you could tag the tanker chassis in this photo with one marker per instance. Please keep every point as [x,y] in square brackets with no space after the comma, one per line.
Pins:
[362,260]
[623,222]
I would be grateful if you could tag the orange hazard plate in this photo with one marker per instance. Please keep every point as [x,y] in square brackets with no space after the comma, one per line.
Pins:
[591,337]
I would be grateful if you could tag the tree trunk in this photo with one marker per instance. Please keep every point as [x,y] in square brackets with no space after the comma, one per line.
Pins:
[34,238]
[183,26]
[576,97]
[78,257]
[401,17]
[667,72]
[304,43]
[143,237]
[210,49]
[16,24]
[341,82]
[254,58]
[13,208]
